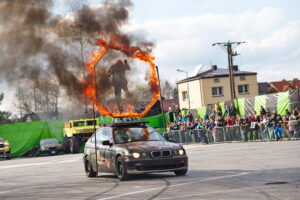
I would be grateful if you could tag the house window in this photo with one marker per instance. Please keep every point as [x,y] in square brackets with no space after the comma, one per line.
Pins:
[243,89]
[184,96]
[242,78]
[217,91]
[216,80]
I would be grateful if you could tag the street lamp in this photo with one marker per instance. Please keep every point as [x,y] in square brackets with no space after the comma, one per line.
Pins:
[188,92]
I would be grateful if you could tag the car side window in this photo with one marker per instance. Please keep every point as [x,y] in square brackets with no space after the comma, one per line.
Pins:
[102,134]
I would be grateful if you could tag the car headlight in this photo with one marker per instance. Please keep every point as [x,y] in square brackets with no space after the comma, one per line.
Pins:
[181,152]
[136,155]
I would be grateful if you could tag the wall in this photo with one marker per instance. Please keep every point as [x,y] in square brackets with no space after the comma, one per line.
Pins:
[195,95]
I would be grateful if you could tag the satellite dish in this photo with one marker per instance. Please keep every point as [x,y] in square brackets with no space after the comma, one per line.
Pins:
[197,70]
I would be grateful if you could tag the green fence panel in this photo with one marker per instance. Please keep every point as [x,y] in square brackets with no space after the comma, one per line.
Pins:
[260,101]
[201,112]
[241,106]
[282,102]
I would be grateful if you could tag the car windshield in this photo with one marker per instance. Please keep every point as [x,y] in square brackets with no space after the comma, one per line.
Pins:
[49,141]
[125,135]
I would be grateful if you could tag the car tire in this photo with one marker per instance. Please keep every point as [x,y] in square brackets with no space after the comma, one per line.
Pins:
[66,144]
[121,170]
[180,172]
[89,169]
[74,145]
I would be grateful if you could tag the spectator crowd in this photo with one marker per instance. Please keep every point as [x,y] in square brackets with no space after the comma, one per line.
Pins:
[266,124]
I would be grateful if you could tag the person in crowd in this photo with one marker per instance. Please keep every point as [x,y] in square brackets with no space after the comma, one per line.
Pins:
[278,128]
[206,117]
[262,111]
[190,119]
[226,112]
[244,127]
[268,112]
[264,124]
[232,110]
[295,111]
[287,113]
[255,119]
[219,110]
[210,127]
[212,113]
[274,115]
[177,111]
[285,127]
[293,126]
[171,115]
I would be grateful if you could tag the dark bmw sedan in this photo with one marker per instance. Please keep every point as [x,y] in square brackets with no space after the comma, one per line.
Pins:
[132,148]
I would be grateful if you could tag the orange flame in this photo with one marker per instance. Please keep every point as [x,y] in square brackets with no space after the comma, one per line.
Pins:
[135,52]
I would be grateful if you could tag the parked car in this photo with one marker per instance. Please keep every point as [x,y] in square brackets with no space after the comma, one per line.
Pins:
[5,149]
[49,146]
[132,148]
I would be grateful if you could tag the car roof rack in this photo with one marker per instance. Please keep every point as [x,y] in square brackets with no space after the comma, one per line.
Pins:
[129,124]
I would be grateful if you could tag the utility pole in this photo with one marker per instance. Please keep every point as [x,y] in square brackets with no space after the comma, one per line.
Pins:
[161,101]
[228,47]
[20,103]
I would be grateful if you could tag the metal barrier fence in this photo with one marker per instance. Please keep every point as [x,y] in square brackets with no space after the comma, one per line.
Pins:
[228,134]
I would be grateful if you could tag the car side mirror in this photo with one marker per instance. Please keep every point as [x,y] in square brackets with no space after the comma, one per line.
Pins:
[106,143]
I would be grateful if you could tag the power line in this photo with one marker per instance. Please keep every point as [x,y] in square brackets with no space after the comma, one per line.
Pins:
[228,47]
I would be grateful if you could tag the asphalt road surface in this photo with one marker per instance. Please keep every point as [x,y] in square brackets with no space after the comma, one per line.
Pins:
[263,170]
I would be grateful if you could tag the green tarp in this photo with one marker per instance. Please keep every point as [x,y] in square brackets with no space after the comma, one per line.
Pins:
[23,136]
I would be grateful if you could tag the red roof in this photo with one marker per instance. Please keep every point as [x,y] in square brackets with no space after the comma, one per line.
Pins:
[282,86]
[169,103]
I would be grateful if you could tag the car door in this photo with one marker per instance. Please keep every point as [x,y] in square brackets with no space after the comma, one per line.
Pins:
[109,150]
[98,153]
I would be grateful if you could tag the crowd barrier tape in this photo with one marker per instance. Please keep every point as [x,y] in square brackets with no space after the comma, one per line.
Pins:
[232,133]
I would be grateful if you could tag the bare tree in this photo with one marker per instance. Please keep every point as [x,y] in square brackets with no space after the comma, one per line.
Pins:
[167,90]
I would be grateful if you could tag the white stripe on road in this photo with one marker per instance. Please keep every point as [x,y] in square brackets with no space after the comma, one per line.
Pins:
[176,185]
[214,192]
[42,163]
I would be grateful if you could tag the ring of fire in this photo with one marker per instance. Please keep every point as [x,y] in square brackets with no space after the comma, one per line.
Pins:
[89,90]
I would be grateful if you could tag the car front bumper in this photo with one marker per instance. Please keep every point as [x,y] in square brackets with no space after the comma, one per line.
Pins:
[149,165]
[51,152]
[5,153]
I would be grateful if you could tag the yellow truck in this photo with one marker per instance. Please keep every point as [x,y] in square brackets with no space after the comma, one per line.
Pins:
[77,132]
[4,149]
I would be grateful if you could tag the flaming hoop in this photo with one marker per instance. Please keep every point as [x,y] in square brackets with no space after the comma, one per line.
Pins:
[135,52]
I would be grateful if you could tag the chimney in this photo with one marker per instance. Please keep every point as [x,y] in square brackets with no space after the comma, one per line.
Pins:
[214,67]
[235,68]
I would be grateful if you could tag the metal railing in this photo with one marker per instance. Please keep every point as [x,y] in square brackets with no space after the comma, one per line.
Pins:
[233,133]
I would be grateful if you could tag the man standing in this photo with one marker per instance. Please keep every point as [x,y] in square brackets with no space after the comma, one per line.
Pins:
[119,80]
[171,115]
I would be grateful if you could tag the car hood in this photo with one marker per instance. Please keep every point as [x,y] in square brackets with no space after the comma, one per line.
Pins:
[150,145]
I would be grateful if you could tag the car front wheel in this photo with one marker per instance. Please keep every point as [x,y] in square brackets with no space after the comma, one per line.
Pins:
[121,171]
[89,169]
[180,172]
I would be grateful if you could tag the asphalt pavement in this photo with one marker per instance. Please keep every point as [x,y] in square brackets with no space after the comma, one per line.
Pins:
[254,170]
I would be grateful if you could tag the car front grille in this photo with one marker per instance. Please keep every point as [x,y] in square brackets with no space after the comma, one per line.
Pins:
[159,154]
[52,148]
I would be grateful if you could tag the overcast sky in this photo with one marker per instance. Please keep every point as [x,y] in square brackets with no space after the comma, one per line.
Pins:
[183,32]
